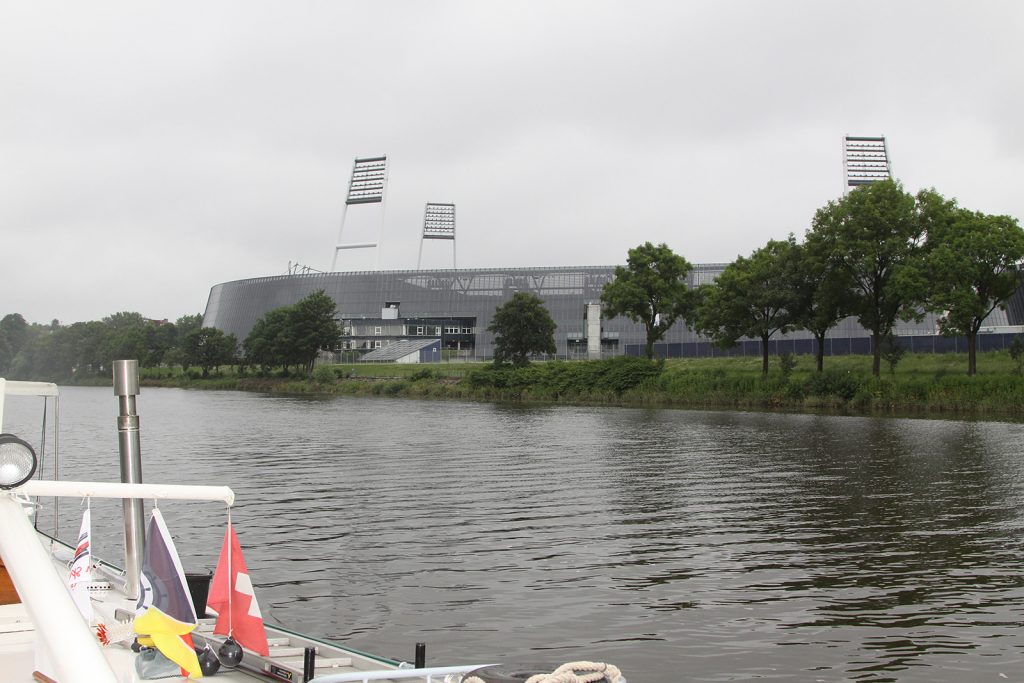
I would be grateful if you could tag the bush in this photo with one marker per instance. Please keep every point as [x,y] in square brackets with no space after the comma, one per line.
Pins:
[489,376]
[425,373]
[324,374]
[1017,354]
[627,372]
[832,383]
[787,363]
[892,352]
[561,378]
[395,388]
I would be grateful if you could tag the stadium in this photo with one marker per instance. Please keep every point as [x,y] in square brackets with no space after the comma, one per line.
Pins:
[433,315]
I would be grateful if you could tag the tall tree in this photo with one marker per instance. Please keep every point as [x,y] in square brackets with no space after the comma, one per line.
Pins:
[823,295]
[522,327]
[314,328]
[270,340]
[650,289]
[973,264]
[209,348]
[293,335]
[873,236]
[83,346]
[753,297]
[13,336]
[187,324]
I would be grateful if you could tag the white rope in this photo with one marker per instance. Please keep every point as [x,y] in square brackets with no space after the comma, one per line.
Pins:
[572,672]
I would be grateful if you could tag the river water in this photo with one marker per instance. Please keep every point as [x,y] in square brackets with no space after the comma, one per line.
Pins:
[679,545]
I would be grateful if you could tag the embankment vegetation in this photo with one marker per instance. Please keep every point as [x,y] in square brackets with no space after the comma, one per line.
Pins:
[918,384]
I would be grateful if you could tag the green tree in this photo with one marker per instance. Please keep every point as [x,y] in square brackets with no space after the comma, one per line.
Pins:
[650,289]
[268,343]
[13,336]
[314,328]
[125,320]
[522,327]
[174,354]
[51,356]
[294,335]
[873,237]
[822,293]
[125,337]
[187,324]
[753,297]
[1016,350]
[87,342]
[62,352]
[973,262]
[208,348]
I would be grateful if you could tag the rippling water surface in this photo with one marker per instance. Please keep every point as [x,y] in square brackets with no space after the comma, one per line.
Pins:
[679,545]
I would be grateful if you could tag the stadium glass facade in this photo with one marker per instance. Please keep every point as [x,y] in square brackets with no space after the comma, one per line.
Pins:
[378,308]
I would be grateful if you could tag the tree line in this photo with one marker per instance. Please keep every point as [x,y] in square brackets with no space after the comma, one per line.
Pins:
[879,254]
[60,352]
[288,336]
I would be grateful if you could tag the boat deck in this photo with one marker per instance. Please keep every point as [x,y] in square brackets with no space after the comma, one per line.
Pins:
[18,650]
[47,633]
[17,643]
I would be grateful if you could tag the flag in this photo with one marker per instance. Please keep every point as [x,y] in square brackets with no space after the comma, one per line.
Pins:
[165,614]
[80,575]
[243,621]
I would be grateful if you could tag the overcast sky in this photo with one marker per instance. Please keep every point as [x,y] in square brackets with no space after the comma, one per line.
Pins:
[151,150]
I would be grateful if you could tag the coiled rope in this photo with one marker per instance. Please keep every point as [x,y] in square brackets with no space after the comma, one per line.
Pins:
[572,672]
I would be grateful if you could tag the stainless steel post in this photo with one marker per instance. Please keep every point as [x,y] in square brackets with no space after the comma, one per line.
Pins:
[126,387]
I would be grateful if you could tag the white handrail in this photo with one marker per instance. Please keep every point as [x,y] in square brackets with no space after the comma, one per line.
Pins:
[19,388]
[14,387]
[72,647]
[394,674]
[95,489]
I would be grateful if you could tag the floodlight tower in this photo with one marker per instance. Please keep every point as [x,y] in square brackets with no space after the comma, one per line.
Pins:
[865,161]
[367,186]
[438,224]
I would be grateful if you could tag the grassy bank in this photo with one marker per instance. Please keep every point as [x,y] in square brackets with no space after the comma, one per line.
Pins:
[921,384]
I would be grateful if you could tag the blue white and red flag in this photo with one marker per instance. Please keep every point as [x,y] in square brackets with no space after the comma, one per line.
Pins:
[165,616]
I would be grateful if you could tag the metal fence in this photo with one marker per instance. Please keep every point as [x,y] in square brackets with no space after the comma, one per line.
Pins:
[840,346]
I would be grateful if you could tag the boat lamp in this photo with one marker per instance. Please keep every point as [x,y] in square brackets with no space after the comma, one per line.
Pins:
[17,461]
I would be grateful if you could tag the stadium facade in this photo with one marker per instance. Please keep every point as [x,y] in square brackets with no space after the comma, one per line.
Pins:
[454,307]
[450,310]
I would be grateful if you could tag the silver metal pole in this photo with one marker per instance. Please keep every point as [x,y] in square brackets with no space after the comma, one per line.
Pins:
[126,388]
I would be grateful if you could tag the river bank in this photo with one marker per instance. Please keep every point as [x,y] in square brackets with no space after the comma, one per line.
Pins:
[919,385]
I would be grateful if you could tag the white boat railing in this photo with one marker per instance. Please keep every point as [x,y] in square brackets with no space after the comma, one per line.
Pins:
[397,674]
[71,648]
[10,387]
[67,644]
[42,591]
[97,489]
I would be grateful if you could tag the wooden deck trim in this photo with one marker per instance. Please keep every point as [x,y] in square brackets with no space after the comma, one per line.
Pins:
[8,594]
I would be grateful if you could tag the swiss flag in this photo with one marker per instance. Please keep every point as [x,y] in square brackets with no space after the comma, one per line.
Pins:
[242,620]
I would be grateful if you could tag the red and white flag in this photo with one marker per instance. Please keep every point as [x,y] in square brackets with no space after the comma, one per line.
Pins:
[243,621]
